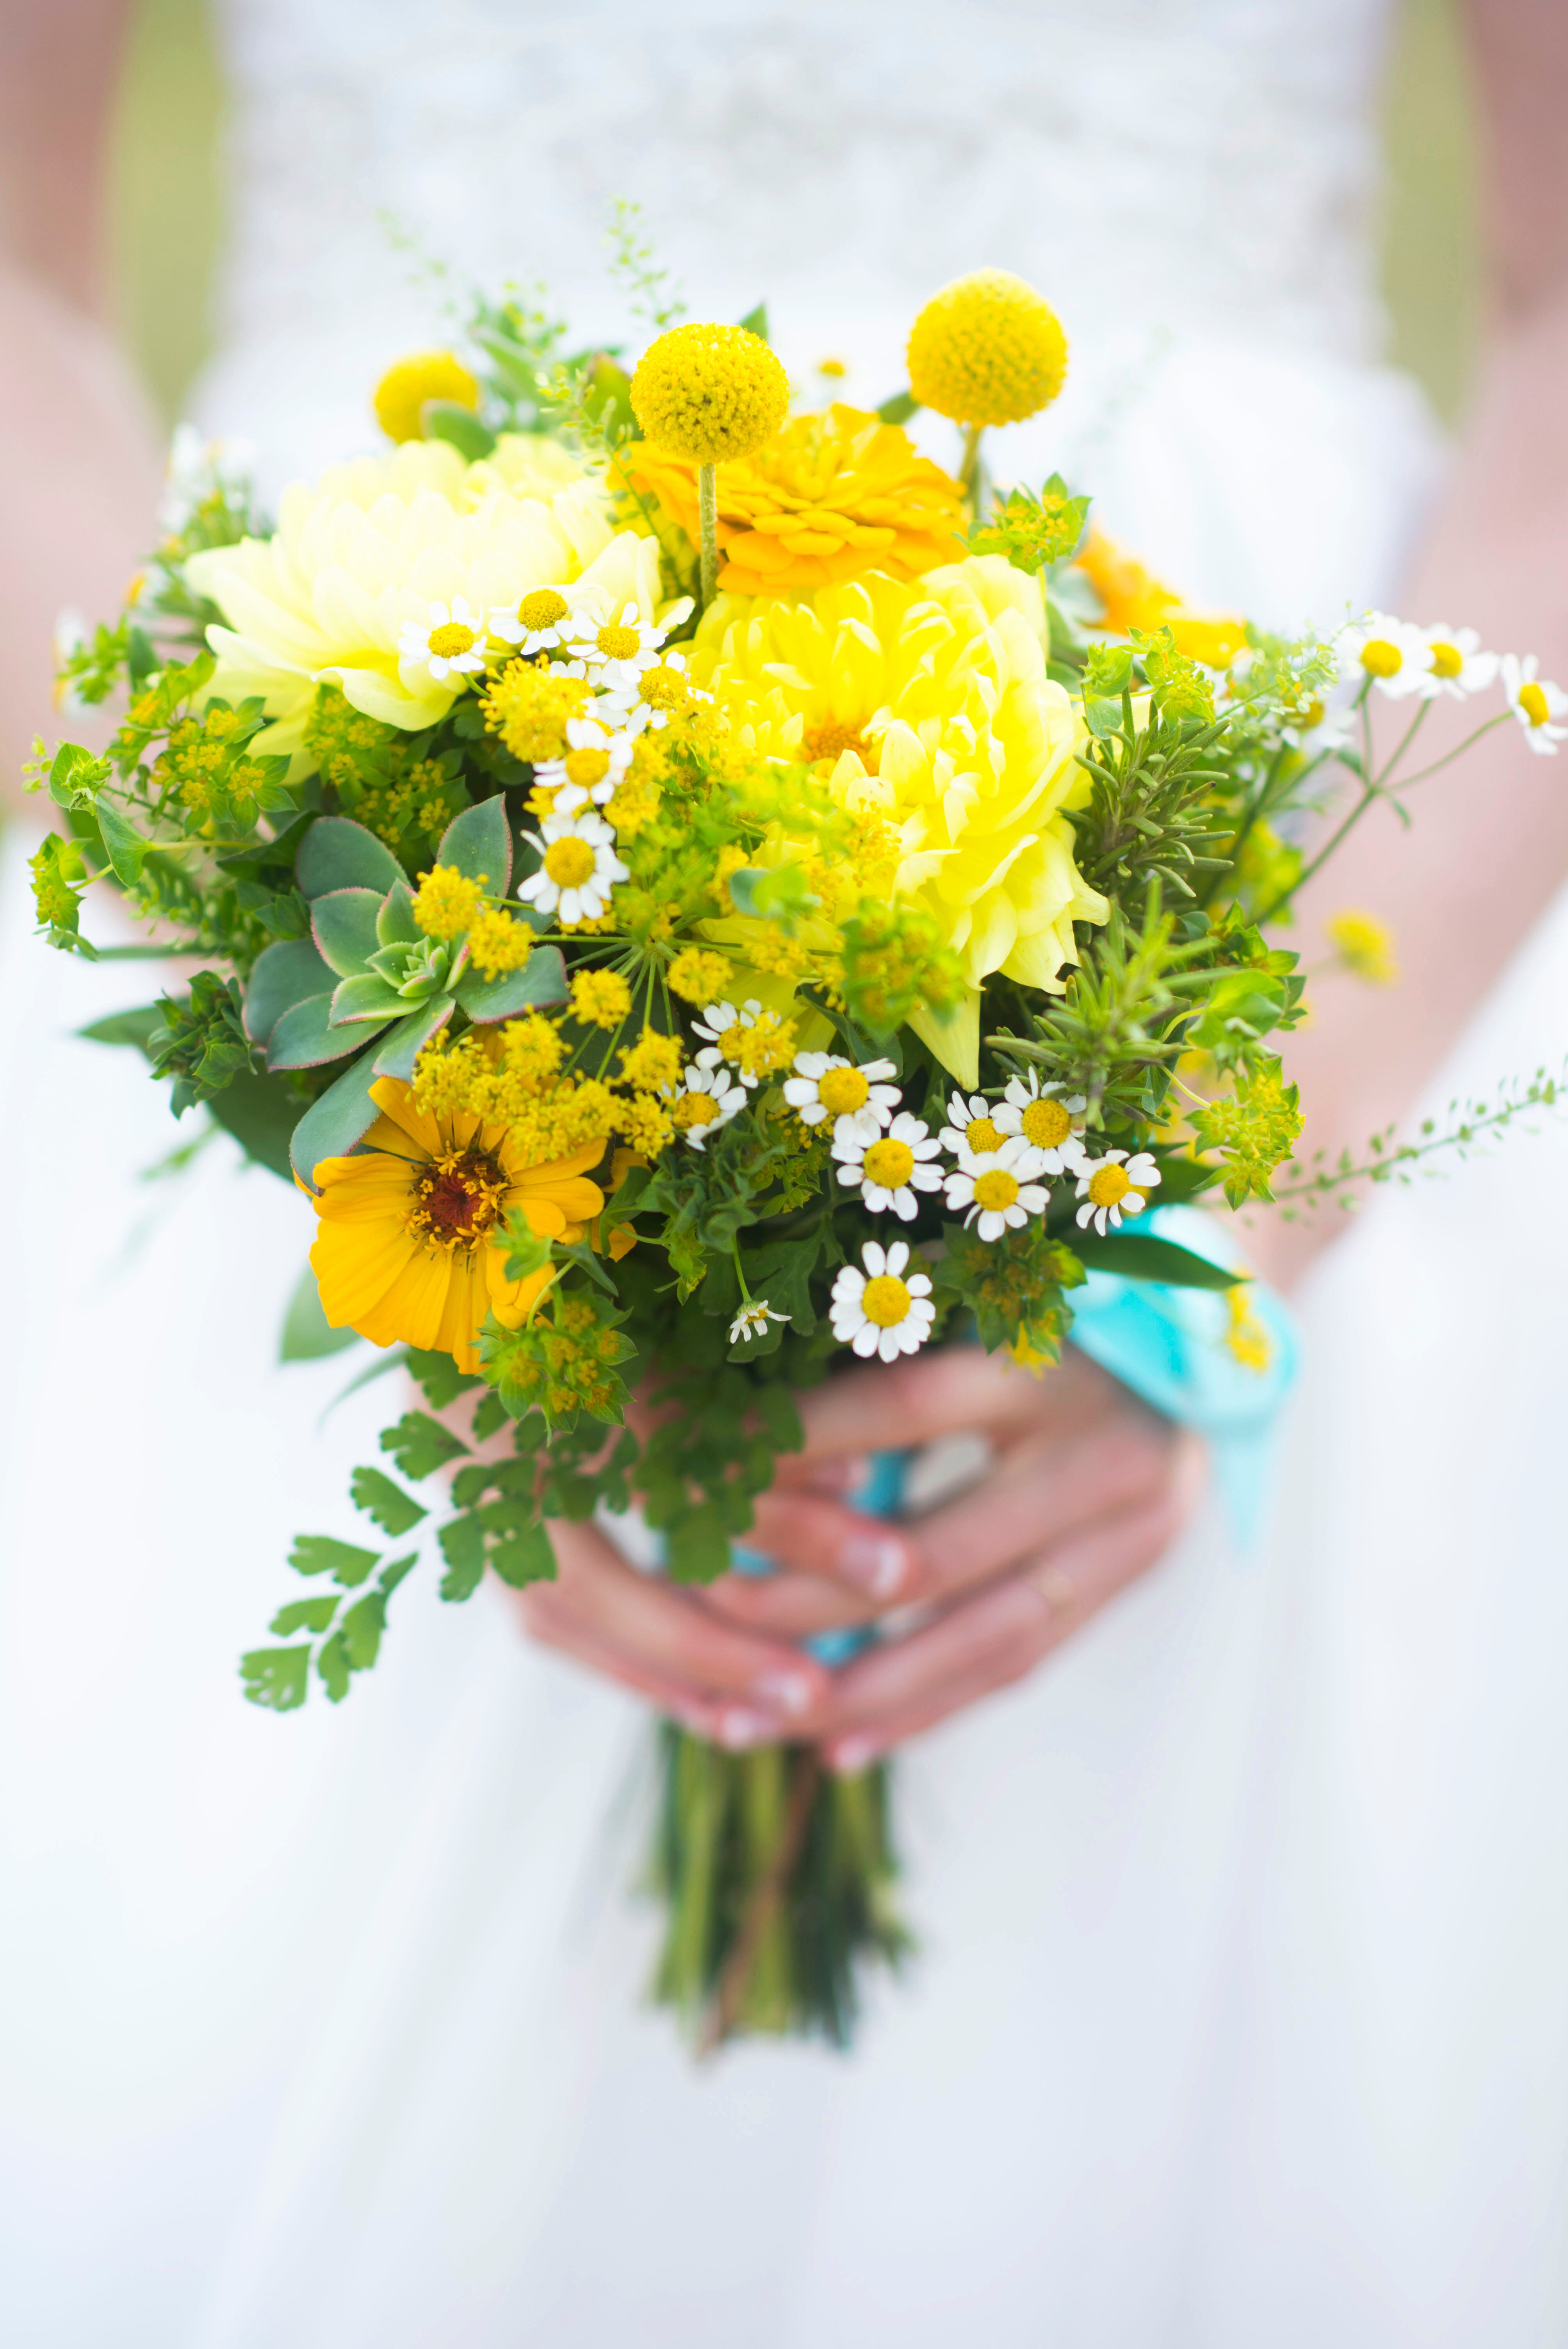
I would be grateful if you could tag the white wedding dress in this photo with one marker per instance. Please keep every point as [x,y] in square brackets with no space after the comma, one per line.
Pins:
[1241,2009]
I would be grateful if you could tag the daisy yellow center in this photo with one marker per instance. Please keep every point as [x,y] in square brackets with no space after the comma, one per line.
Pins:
[831,740]
[996,1191]
[729,1040]
[457,1199]
[448,641]
[886,1301]
[619,644]
[1107,1185]
[1534,703]
[1446,660]
[980,1134]
[1380,658]
[1313,715]
[841,1091]
[587,767]
[1046,1124]
[889,1164]
[663,687]
[542,609]
[569,861]
[695,1109]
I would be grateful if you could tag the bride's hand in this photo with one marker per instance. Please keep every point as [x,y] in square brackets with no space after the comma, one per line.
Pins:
[1085,1490]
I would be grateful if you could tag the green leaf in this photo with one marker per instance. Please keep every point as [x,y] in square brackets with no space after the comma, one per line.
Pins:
[1138,1256]
[321,1554]
[395,924]
[305,1615]
[523,1554]
[756,322]
[394,1510]
[126,1026]
[448,419]
[478,844]
[304,1037]
[439,1377]
[276,1677]
[420,1444]
[397,1052]
[332,1125]
[284,975]
[332,1662]
[308,1335]
[391,1576]
[361,1629]
[260,1113]
[366,999]
[899,409]
[542,980]
[338,853]
[126,846]
[462,1541]
[698,1545]
[344,924]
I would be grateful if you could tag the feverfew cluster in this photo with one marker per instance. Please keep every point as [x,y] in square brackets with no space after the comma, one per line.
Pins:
[1403,662]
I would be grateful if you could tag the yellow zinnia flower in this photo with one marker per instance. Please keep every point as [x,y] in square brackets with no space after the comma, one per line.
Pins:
[405,1252]
[828,499]
[375,546]
[933,703]
[1134,598]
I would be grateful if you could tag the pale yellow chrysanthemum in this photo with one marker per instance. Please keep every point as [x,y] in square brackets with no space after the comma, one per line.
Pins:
[826,500]
[372,545]
[933,703]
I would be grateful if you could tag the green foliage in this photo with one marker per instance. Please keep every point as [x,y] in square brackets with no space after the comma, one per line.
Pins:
[201,1044]
[393,1510]
[1033,531]
[1014,1288]
[894,959]
[276,1677]
[59,882]
[420,1444]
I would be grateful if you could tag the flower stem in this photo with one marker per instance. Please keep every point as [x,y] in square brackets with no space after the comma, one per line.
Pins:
[969,472]
[707,507]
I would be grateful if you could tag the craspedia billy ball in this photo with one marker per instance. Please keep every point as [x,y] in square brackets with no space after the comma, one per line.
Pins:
[709,394]
[987,349]
[404,389]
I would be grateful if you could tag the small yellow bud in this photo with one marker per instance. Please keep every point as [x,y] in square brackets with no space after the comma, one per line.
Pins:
[404,389]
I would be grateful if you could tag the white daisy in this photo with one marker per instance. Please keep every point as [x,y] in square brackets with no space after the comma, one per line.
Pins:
[1455,664]
[648,701]
[994,1187]
[859,1100]
[450,643]
[1114,1186]
[579,870]
[596,762]
[721,1023]
[1390,652]
[971,1125]
[540,622]
[885,1310]
[614,653]
[890,1169]
[1048,1118]
[1535,703]
[706,1097]
[752,1320]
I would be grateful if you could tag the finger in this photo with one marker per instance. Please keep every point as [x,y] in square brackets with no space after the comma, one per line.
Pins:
[886,1407]
[986,1641]
[667,1631]
[788,1605]
[734,1726]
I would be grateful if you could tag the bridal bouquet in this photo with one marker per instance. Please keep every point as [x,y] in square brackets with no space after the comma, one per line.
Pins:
[694,893]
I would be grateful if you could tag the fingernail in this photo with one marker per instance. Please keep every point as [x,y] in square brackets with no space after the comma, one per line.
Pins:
[792,1691]
[874,1562]
[854,1753]
[738,1729]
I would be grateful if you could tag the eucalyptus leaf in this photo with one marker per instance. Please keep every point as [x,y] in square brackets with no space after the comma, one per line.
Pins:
[478,844]
[542,980]
[338,853]
[344,924]
[308,1335]
[284,975]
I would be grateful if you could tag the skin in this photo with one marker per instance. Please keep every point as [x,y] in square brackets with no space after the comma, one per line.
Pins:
[1087,1488]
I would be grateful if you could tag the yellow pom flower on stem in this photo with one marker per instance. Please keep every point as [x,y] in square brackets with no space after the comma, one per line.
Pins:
[986,349]
[401,394]
[409,1249]
[709,394]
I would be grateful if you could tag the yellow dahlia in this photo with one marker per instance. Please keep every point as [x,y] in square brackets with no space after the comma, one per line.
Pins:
[366,561]
[987,349]
[401,394]
[826,500]
[709,393]
[932,703]
[405,1251]
[1134,598]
